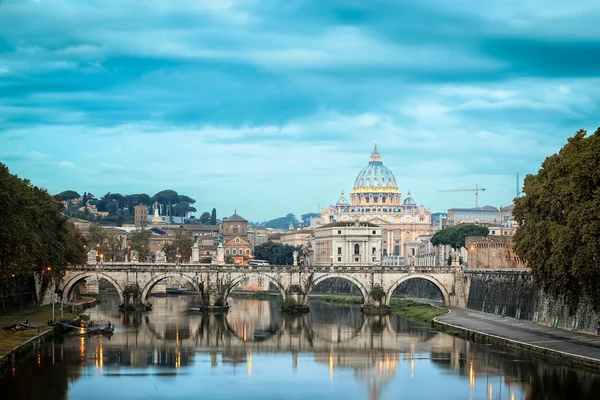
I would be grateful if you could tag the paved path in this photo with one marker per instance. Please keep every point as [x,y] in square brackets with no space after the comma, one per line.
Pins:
[558,340]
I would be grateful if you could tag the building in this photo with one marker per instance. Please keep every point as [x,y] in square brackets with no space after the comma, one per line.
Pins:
[487,214]
[234,231]
[346,243]
[375,198]
[141,215]
[257,237]
[296,237]
[491,252]
[233,226]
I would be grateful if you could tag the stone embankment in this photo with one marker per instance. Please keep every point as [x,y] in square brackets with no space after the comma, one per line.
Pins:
[567,346]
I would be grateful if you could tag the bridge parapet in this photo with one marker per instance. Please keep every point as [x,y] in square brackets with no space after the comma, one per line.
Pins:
[122,266]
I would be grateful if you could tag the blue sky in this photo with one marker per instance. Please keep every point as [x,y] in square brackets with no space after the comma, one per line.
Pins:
[273,106]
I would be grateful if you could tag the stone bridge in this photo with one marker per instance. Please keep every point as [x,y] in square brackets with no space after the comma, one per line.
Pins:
[134,281]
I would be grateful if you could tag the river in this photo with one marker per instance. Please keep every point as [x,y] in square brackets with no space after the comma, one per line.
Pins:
[254,352]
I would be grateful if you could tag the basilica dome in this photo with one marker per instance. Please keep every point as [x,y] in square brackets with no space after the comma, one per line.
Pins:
[375,177]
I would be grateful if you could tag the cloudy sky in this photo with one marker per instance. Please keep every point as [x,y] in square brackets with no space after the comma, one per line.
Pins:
[273,106]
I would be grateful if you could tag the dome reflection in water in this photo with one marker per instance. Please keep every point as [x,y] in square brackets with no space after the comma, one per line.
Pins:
[255,352]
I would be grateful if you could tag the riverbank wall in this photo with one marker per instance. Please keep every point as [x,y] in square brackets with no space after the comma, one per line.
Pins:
[7,360]
[511,293]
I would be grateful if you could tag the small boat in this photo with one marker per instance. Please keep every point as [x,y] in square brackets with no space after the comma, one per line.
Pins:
[95,328]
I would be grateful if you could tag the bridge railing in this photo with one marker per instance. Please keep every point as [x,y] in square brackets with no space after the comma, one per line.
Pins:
[129,266]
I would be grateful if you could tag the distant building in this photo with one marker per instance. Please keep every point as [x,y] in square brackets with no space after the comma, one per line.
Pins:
[375,198]
[81,224]
[141,215]
[256,237]
[234,231]
[296,237]
[491,252]
[487,214]
[346,243]
[275,237]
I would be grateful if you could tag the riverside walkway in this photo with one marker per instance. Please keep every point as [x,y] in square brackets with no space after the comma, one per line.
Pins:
[570,346]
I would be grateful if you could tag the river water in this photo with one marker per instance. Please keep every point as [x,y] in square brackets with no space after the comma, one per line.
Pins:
[254,352]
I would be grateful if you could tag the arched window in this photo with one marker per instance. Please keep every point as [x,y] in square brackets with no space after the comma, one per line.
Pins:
[227,251]
[357,249]
[235,229]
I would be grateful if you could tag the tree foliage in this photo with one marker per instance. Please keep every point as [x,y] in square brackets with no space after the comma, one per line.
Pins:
[275,253]
[68,195]
[377,293]
[455,235]
[282,222]
[34,233]
[205,218]
[213,217]
[140,242]
[306,218]
[181,245]
[559,222]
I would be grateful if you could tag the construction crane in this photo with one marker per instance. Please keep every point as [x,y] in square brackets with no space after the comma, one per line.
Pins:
[469,189]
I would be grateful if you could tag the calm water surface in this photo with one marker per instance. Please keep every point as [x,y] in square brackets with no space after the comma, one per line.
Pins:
[256,353]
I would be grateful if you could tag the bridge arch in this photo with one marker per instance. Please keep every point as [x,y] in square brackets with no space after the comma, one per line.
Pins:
[70,284]
[236,281]
[444,292]
[160,277]
[363,290]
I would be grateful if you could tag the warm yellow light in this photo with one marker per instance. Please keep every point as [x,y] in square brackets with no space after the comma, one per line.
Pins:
[49,268]
[490,392]
[471,376]
[250,363]
[330,366]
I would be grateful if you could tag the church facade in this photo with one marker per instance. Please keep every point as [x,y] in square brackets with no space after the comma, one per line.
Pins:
[376,199]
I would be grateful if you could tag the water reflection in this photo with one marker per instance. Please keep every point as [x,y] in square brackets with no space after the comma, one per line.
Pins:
[256,352]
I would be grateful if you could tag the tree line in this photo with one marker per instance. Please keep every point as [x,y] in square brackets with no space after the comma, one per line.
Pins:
[121,208]
[35,235]
[559,222]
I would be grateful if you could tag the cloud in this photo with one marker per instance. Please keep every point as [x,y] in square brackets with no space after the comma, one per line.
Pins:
[225,97]
[66,164]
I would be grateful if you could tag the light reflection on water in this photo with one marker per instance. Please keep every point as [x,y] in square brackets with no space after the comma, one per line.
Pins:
[254,352]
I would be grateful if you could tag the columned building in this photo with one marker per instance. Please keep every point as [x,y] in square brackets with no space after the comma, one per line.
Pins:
[375,198]
[346,243]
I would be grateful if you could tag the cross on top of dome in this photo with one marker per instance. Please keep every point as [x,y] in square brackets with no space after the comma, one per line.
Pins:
[375,156]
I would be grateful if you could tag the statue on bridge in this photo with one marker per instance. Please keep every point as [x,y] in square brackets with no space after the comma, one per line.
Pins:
[92,257]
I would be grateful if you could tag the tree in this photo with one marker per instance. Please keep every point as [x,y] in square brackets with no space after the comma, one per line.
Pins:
[112,208]
[95,237]
[167,198]
[455,235]
[282,222]
[559,222]
[306,218]
[34,234]
[205,218]
[377,293]
[68,195]
[275,253]
[140,242]
[213,217]
[181,245]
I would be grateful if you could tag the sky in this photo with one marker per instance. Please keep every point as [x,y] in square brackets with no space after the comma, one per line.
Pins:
[270,107]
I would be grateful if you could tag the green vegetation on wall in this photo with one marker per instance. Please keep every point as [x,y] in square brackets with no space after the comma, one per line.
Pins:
[559,222]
